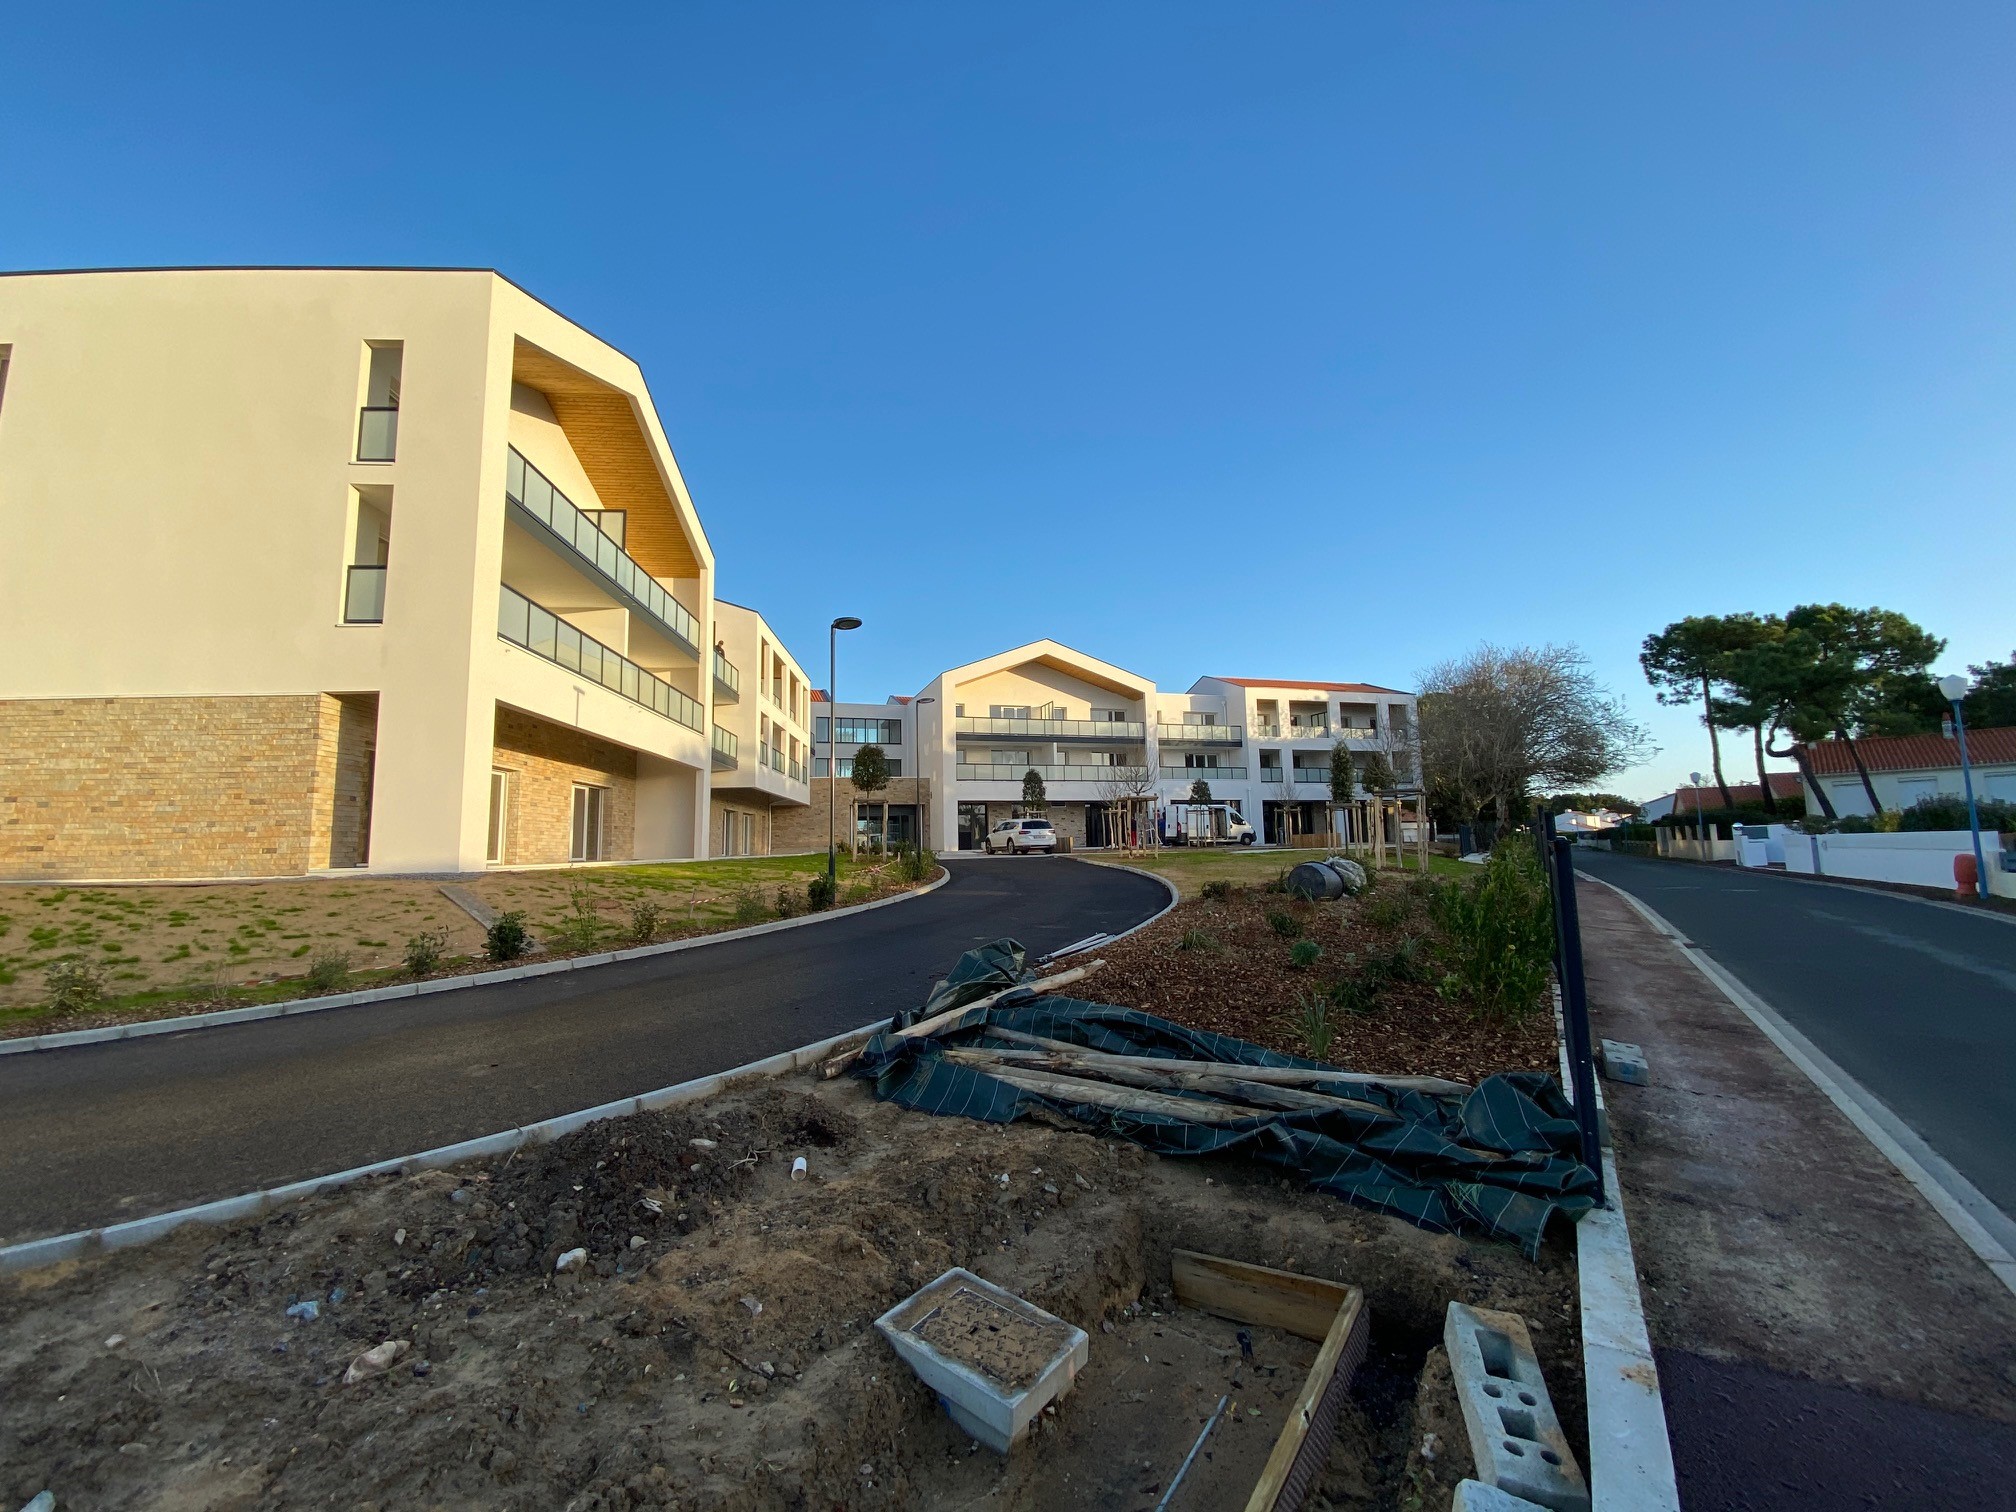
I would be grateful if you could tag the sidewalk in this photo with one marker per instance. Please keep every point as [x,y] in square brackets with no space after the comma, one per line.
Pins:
[1824,1339]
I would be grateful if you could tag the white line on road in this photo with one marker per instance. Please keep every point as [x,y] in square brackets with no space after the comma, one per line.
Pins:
[1982,1226]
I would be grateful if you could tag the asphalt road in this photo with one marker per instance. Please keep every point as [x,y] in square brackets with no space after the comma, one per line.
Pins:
[102,1133]
[1917,1003]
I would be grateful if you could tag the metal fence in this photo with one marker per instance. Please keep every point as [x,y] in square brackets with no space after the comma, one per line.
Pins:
[1557,860]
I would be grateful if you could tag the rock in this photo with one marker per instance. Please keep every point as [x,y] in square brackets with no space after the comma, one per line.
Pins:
[375,1360]
[502,1462]
[41,1501]
[755,1386]
[1050,1187]
[573,1259]
[307,1312]
[701,1144]
[755,1307]
[115,1341]
[399,1236]
[336,1295]
[459,1195]
[421,1367]
[636,1241]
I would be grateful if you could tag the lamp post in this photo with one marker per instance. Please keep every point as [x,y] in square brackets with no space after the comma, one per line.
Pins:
[916,765]
[845,622]
[1700,815]
[1955,689]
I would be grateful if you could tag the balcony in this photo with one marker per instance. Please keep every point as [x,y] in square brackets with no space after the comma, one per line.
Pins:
[555,518]
[364,596]
[1311,777]
[1270,774]
[1295,729]
[1209,774]
[1054,729]
[378,433]
[727,679]
[1357,733]
[797,771]
[1198,734]
[727,750]
[1011,773]
[543,633]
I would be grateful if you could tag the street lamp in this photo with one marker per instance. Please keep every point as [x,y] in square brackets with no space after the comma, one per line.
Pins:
[845,622]
[1700,814]
[916,768]
[1955,689]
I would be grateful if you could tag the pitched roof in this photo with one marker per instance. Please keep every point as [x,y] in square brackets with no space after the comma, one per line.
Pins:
[1911,753]
[1327,687]
[1688,800]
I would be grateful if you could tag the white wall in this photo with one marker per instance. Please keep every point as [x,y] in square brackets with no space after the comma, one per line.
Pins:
[1921,859]
[1899,790]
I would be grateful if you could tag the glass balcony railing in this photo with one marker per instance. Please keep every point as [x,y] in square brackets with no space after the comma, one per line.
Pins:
[1209,774]
[1270,774]
[727,678]
[364,596]
[1356,732]
[377,433]
[967,772]
[1198,734]
[1056,729]
[543,633]
[727,750]
[532,492]
[797,772]
[1311,776]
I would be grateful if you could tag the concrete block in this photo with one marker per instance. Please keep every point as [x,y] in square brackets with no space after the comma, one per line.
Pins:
[994,1359]
[1515,1436]
[1624,1062]
[1475,1496]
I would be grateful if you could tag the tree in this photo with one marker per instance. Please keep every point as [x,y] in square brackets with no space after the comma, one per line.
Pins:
[871,776]
[1128,793]
[1499,721]
[1991,703]
[1378,774]
[1200,790]
[1035,797]
[1687,661]
[1343,780]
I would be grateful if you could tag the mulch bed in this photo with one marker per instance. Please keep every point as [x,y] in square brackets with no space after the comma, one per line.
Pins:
[1245,986]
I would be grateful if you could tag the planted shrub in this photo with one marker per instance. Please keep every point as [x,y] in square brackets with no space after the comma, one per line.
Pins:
[329,970]
[1303,954]
[1196,939]
[1405,961]
[507,939]
[1386,910]
[749,907]
[426,951]
[1948,811]
[1315,1023]
[916,864]
[857,892]
[647,921]
[819,892]
[74,984]
[790,903]
[1498,933]
[1283,923]
[1217,890]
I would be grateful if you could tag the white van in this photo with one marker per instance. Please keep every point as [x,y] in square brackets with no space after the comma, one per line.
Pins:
[1186,823]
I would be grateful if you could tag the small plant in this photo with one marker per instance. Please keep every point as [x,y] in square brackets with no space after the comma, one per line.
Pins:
[507,938]
[1498,932]
[789,902]
[1278,883]
[819,892]
[749,907]
[1284,923]
[1196,939]
[1303,954]
[1217,890]
[580,928]
[74,984]
[857,892]
[1406,961]
[329,970]
[1386,909]
[916,864]
[647,921]
[1315,1022]
[426,951]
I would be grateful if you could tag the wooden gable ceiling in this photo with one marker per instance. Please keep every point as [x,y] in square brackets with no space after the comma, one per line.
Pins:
[603,428]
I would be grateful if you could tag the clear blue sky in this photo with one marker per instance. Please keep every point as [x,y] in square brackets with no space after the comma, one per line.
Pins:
[1300,340]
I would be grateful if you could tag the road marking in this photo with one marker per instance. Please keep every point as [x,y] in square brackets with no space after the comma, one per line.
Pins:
[1982,1227]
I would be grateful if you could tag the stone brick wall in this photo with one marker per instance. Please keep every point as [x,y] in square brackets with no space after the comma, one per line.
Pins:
[159,787]
[719,809]
[346,738]
[796,829]
[545,761]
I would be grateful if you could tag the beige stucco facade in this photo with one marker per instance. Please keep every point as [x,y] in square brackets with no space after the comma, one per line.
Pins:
[263,574]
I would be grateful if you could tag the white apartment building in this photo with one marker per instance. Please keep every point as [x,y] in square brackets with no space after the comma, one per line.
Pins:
[315,569]
[1086,726]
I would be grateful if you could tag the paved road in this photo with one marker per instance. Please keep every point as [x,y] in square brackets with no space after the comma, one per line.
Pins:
[101,1133]
[1917,1003]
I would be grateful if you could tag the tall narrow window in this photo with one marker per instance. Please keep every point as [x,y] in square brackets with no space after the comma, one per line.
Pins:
[368,552]
[500,814]
[589,803]
[6,356]
[378,417]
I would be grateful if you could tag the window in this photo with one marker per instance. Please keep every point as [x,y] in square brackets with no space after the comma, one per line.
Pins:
[378,416]
[1008,711]
[883,732]
[1110,716]
[589,806]
[1200,761]
[1193,717]
[500,815]
[958,711]
[846,765]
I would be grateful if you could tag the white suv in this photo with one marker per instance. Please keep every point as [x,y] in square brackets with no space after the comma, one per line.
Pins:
[1021,835]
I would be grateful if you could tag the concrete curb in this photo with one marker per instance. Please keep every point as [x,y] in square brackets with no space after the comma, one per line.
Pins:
[1980,1225]
[1630,1450]
[26,1043]
[1175,897]
[34,1253]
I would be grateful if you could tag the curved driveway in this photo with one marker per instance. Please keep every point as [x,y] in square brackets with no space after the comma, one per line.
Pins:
[101,1133]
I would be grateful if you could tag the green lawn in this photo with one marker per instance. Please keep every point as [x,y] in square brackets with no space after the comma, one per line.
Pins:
[1191,869]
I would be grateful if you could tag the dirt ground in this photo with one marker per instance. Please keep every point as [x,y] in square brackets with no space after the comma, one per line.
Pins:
[1217,964]
[166,950]
[716,1348]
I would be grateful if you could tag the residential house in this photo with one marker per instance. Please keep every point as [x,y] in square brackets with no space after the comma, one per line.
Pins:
[1905,768]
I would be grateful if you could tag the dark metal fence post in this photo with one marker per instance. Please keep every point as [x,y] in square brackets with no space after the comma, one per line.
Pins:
[1575,1006]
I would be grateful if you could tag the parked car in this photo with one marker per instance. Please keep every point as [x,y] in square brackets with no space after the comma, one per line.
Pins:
[1021,835]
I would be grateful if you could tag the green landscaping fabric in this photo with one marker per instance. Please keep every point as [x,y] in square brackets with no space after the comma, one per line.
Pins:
[1501,1160]
[1003,963]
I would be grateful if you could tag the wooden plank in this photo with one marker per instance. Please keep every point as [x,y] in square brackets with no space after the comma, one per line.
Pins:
[1144,1071]
[1267,1490]
[1278,1076]
[937,1021]
[1306,1306]
[1101,1095]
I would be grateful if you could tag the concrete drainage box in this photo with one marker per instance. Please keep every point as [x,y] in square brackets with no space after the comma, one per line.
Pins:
[994,1360]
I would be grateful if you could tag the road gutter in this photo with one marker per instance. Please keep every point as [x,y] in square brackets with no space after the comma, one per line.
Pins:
[27,1043]
[1980,1225]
